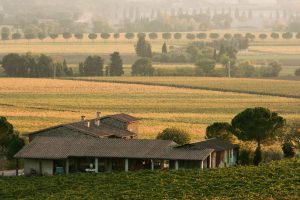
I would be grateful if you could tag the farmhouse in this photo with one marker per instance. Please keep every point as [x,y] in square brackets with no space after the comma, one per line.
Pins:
[110,143]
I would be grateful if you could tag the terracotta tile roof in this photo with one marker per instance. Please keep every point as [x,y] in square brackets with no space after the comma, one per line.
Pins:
[123,118]
[103,130]
[61,148]
[214,143]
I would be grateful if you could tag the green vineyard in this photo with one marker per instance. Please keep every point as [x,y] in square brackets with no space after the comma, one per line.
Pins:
[278,180]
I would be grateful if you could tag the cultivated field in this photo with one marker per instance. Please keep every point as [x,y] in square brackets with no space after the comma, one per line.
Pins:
[278,180]
[243,85]
[33,104]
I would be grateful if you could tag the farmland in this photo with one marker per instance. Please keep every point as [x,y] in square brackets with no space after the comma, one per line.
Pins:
[277,180]
[255,86]
[33,104]
[74,51]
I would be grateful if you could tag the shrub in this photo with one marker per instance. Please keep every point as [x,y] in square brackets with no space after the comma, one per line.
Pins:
[245,157]
[287,35]
[153,36]
[201,36]
[205,66]
[142,67]
[166,36]
[250,36]
[129,36]
[177,36]
[105,35]
[227,36]
[190,36]
[179,136]
[238,36]
[116,35]
[288,150]
[263,36]
[275,35]
[214,36]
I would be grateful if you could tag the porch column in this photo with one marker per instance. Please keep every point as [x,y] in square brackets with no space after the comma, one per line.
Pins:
[96,165]
[210,160]
[202,164]
[176,165]
[152,165]
[67,166]
[126,165]
[17,167]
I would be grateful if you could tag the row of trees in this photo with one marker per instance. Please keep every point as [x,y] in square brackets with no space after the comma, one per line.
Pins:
[6,35]
[30,65]
[95,66]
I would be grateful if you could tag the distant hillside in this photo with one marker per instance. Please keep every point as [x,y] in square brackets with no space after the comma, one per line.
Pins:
[278,180]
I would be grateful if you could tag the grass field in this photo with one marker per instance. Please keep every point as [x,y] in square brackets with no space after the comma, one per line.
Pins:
[253,86]
[278,180]
[33,104]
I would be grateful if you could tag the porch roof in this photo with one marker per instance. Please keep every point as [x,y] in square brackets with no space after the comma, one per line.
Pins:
[62,148]
[213,143]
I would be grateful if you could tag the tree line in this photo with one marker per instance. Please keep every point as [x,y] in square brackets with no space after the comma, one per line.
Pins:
[29,35]
[35,66]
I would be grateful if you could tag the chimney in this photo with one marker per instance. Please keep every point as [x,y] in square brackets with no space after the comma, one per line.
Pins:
[97,121]
[82,118]
[98,115]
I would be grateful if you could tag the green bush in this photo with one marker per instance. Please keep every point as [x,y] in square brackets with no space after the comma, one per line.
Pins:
[179,136]
[288,150]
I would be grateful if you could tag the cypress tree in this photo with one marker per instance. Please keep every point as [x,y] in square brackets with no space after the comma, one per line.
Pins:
[164,48]
[116,65]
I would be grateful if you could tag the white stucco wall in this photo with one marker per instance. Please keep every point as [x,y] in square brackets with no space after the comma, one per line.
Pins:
[46,166]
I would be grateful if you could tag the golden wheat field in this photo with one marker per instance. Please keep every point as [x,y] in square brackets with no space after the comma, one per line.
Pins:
[243,85]
[33,104]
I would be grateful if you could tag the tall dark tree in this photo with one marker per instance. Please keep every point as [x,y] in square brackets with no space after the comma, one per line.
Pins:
[92,66]
[143,48]
[164,48]
[116,65]
[257,124]
[45,66]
